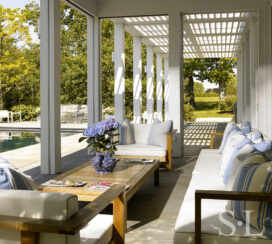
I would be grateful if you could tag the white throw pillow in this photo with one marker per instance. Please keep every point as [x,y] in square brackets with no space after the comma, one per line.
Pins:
[158,131]
[236,143]
[227,145]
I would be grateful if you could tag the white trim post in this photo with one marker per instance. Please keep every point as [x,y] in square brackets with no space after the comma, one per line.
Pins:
[50,87]
[137,80]
[166,89]
[159,89]
[239,89]
[176,80]
[247,78]
[253,70]
[149,83]
[93,84]
[119,71]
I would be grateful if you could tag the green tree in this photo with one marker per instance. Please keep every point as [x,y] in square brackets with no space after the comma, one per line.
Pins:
[73,56]
[198,89]
[15,40]
[221,72]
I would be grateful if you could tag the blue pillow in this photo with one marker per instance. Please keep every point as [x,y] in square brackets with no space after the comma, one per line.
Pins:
[126,133]
[12,179]
[262,146]
[254,177]
[245,127]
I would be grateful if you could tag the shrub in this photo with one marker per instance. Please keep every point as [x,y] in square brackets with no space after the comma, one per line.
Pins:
[188,111]
[28,112]
[226,104]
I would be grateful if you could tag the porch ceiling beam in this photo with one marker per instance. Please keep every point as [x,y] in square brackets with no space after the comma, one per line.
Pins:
[216,20]
[161,22]
[211,52]
[213,45]
[159,50]
[213,34]
[192,38]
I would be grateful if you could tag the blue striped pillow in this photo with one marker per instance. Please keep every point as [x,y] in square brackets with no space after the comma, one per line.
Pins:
[12,179]
[254,177]
[126,133]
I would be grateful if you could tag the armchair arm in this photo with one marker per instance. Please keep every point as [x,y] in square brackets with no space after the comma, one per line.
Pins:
[169,148]
[223,195]
[213,135]
[30,228]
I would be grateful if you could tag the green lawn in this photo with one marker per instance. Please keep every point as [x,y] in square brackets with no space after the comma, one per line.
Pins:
[207,107]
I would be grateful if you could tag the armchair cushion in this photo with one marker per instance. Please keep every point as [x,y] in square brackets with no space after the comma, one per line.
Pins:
[37,204]
[140,149]
[157,135]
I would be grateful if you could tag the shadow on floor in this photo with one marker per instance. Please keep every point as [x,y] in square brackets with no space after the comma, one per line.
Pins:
[197,136]
[68,162]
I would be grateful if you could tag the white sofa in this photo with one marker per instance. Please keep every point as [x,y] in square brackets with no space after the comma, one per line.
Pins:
[205,177]
[53,217]
[142,150]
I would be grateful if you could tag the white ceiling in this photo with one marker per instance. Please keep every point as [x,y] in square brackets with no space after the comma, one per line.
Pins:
[212,35]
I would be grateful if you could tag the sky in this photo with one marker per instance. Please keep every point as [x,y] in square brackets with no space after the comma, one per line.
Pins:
[15,3]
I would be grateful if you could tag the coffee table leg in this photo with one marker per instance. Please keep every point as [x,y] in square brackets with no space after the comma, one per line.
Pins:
[119,219]
[157,177]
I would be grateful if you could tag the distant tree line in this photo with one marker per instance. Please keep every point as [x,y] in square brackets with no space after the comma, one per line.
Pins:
[20,62]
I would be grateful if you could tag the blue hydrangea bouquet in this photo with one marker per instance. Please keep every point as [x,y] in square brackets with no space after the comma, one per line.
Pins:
[99,137]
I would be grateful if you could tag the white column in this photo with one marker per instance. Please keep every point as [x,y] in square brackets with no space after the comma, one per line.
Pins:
[239,89]
[166,89]
[119,71]
[159,86]
[247,78]
[264,70]
[149,83]
[93,57]
[137,79]
[244,81]
[253,70]
[50,87]
[176,80]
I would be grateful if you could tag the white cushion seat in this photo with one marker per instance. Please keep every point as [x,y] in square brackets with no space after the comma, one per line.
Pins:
[140,149]
[208,162]
[54,206]
[99,230]
[211,209]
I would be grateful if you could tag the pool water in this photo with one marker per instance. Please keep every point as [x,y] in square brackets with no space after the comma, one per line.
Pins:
[13,140]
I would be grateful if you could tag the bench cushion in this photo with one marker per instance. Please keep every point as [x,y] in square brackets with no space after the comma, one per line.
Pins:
[140,149]
[206,177]
[207,162]
[211,209]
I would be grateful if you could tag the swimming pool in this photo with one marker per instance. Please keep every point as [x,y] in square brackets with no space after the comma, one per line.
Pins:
[13,140]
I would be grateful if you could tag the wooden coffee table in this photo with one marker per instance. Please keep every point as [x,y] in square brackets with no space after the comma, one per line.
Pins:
[131,173]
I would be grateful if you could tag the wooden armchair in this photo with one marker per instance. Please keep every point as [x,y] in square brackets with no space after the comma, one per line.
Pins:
[32,228]
[212,135]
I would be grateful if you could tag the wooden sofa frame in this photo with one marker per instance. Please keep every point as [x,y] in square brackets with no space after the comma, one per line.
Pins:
[167,159]
[31,228]
[223,195]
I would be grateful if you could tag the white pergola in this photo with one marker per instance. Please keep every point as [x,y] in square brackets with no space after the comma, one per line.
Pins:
[174,30]
[206,35]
